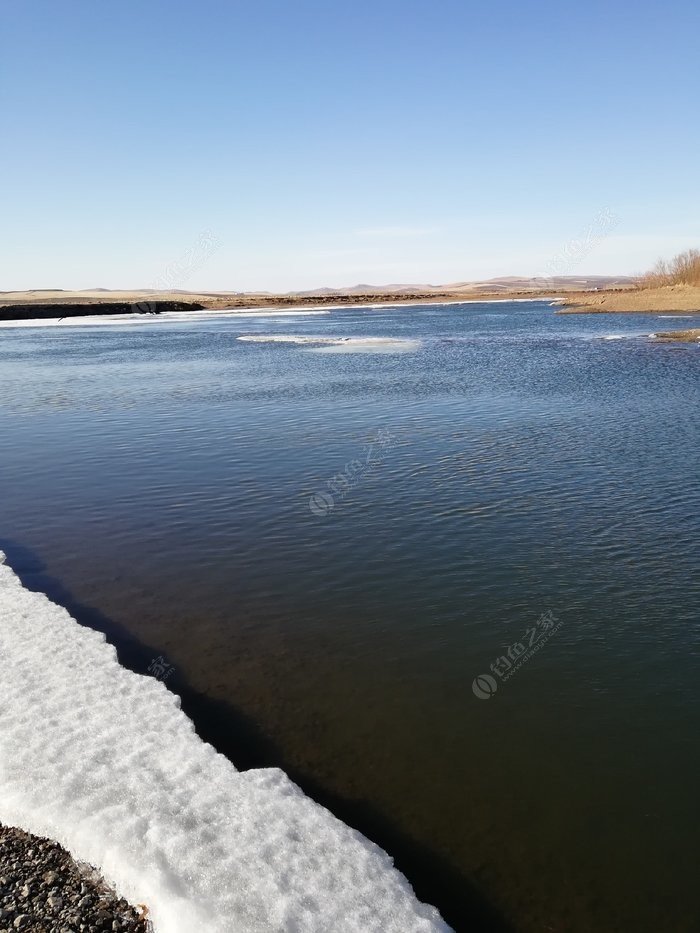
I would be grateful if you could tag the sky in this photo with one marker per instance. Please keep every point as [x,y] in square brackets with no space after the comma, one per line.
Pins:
[288,145]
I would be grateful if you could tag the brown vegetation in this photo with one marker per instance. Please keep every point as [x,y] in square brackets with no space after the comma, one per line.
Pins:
[672,285]
[669,299]
[683,269]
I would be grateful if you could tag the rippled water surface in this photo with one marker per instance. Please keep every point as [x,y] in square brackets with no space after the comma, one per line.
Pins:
[329,547]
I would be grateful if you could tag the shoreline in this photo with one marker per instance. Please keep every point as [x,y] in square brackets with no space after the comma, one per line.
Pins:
[669,299]
[55,307]
[88,313]
[45,889]
[268,851]
[22,315]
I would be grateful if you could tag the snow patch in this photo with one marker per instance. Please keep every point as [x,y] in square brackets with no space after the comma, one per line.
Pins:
[102,320]
[105,762]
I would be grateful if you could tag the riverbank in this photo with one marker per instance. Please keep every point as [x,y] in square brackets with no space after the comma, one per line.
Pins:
[667,300]
[45,889]
[49,304]
[59,310]
[109,766]
[41,311]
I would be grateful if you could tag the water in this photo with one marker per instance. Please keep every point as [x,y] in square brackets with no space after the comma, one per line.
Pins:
[157,480]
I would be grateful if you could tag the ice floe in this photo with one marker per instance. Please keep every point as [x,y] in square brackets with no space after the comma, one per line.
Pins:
[104,761]
[339,344]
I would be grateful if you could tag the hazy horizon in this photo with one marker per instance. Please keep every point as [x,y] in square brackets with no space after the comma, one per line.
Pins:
[321,288]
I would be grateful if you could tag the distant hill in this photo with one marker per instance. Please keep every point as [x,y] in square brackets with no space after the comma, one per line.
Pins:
[49,303]
[505,284]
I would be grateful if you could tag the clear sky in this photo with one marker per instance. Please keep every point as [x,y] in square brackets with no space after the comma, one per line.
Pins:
[331,143]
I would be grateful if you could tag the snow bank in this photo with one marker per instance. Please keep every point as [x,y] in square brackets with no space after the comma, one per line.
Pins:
[101,320]
[104,761]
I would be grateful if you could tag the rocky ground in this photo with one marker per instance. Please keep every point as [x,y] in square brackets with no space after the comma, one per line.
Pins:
[43,890]
[682,336]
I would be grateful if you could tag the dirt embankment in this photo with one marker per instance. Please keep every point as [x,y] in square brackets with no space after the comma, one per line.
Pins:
[668,299]
[57,305]
[42,311]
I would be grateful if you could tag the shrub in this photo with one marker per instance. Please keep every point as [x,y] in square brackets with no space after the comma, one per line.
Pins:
[683,269]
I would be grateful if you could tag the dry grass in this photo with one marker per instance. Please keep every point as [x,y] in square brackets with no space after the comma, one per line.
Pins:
[683,269]
[672,285]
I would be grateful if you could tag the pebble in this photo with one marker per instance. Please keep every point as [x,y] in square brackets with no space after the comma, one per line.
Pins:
[44,890]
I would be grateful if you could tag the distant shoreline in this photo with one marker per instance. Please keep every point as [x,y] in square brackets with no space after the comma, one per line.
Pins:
[56,306]
[27,306]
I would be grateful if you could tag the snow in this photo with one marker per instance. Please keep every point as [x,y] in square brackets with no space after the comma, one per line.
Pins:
[104,761]
[101,320]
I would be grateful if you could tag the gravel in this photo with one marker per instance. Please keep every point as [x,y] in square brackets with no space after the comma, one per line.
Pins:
[44,890]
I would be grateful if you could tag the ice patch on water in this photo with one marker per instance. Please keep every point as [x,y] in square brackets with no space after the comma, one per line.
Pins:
[104,761]
[284,338]
[365,346]
[633,335]
[319,344]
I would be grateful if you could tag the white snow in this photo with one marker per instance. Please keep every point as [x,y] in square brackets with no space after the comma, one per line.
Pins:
[287,338]
[104,761]
[101,320]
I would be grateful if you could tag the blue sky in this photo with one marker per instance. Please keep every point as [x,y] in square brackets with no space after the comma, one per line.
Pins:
[328,143]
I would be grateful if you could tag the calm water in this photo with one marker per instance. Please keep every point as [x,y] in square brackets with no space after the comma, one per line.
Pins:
[157,480]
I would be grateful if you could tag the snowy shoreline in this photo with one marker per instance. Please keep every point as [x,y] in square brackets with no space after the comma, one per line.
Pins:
[267,311]
[105,762]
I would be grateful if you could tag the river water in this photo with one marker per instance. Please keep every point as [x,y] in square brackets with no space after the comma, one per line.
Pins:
[449,584]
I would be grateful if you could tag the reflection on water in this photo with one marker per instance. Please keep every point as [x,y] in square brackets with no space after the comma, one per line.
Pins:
[163,474]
